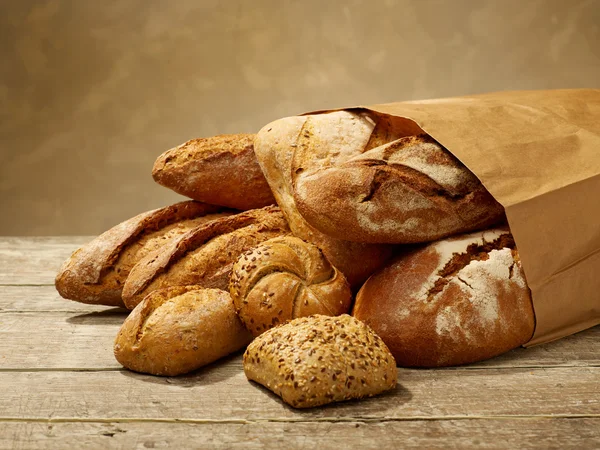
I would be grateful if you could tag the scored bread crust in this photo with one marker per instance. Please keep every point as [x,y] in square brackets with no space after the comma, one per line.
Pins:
[96,272]
[455,301]
[275,146]
[407,191]
[316,360]
[179,329]
[205,255]
[285,278]
[220,170]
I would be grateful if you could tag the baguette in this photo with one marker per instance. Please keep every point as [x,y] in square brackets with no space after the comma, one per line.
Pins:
[179,329]
[455,301]
[205,255]
[96,272]
[220,170]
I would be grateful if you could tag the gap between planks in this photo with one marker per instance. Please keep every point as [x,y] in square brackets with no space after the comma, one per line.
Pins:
[370,419]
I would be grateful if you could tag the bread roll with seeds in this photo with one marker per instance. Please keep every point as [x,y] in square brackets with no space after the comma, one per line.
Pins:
[96,272]
[406,191]
[316,360]
[455,301]
[285,278]
[205,255]
[179,329]
[221,170]
[275,146]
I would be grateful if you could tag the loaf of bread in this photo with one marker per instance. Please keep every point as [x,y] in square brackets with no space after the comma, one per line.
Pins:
[285,278]
[220,170]
[455,301]
[407,191]
[96,272]
[179,329]
[316,360]
[205,255]
[275,146]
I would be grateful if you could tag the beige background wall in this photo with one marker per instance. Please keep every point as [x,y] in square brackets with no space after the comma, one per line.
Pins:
[91,92]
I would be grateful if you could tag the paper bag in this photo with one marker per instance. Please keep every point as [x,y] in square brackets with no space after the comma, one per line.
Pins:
[538,153]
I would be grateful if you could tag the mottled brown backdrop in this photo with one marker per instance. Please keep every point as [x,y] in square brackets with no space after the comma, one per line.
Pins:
[91,92]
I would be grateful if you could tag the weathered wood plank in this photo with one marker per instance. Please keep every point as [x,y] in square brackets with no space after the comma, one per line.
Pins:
[35,260]
[220,392]
[40,298]
[84,340]
[439,434]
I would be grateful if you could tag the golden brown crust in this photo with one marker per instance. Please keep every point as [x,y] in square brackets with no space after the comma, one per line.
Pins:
[407,191]
[220,170]
[179,329]
[96,272]
[455,301]
[285,278]
[316,360]
[205,255]
[275,146]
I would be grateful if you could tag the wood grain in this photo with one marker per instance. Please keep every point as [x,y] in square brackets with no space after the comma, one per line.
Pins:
[35,261]
[41,299]
[430,434]
[220,392]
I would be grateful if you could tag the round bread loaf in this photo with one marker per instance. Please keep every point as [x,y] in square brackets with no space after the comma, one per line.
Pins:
[285,278]
[179,329]
[455,301]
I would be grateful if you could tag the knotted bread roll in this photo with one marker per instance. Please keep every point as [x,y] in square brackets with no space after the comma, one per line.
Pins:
[285,278]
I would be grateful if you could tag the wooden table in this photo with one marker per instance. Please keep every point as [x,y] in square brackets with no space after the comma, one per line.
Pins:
[60,387]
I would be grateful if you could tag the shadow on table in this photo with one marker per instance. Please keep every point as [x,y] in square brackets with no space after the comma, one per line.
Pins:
[216,372]
[112,316]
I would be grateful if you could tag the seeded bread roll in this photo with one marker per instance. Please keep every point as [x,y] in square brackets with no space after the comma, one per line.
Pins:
[285,278]
[275,146]
[179,329]
[316,360]
[220,170]
[205,255]
[96,272]
[407,191]
[455,301]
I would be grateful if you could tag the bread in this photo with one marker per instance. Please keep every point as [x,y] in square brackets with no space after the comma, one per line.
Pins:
[407,191]
[275,146]
[96,272]
[455,301]
[221,170]
[179,329]
[205,255]
[316,360]
[285,278]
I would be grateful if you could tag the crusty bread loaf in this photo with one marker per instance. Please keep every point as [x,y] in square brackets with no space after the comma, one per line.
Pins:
[455,301]
[205,255]
[285,278]
[96,272]
[275,146]
[409,190]
[316,360]
[220,170]
[179,329]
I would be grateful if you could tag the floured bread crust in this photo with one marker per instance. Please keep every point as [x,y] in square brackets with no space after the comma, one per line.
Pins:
[220,170]
[205,255]
[179,329]
[454,301]
[285,278]
[316,360]
[96,272]
[275,147]
[405,191]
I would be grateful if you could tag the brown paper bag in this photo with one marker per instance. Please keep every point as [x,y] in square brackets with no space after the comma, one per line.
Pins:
[538,153]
